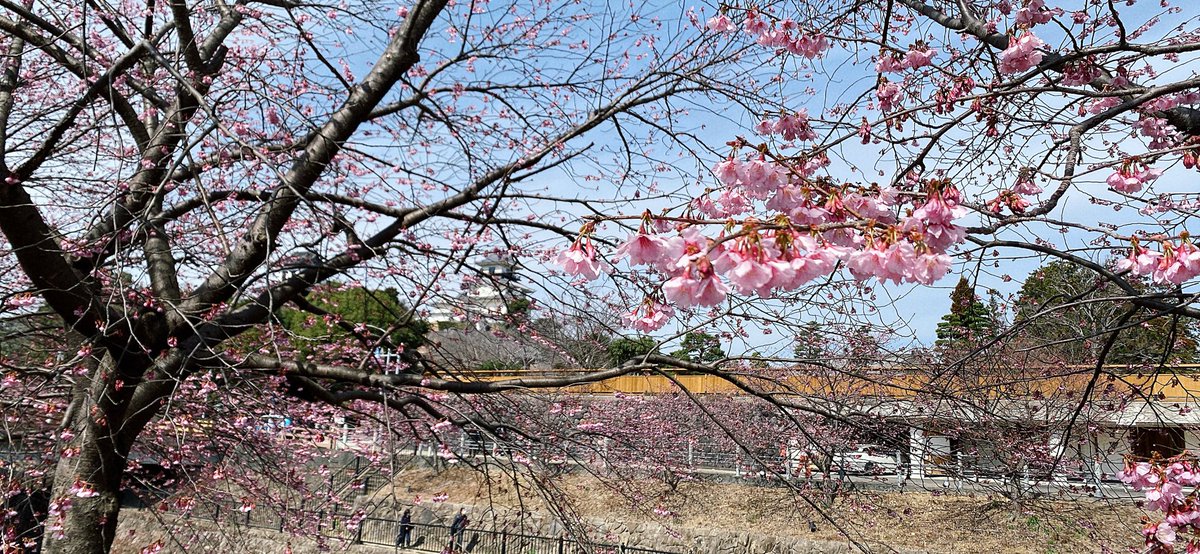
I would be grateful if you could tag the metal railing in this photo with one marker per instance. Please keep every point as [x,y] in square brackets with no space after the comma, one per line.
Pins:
[437,538]
[684,456]
[424,537]
[355,475]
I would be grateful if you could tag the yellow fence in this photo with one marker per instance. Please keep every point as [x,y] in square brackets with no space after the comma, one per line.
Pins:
[1178,383]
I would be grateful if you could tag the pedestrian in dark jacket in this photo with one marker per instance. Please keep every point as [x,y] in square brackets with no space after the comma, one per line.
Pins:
[404,538]
[457,528]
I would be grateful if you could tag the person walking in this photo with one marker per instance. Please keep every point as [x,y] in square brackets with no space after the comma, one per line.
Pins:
[457,528]
[404,538]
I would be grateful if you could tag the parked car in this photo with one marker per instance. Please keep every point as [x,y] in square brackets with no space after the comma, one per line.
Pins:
[866,458]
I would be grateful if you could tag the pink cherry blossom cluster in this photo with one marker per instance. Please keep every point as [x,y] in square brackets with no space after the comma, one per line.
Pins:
[1175,264]
[580,259]
[889,94]
[1010,199]
[946,97]
[784,34]
[1164,482]
[790,127]
[1169,101]
[82,490]
[815,226]
[757,178]
[20,301]
[693,279]
[1132,176]
[648,316]
[445,453]
[1101,105]
[1161,133]
[1036,13]
[56,517]
[1022,54]
[1190,159]
[721,24]
[1025,185]
[1080,72]
[919,55]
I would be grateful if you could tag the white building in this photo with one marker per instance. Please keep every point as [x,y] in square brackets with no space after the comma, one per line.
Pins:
[493,285]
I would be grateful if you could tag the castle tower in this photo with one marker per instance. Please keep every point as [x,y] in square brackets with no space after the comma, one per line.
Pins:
[495,290]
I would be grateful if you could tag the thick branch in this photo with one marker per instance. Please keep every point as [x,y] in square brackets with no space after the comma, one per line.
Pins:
[400,55]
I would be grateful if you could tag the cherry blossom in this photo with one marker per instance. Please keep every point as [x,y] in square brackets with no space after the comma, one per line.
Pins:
[1141,261]
[776,256]
[1101,105]
[1080,72]
[1164,484]
[756,24]
[580,259]
[790,127]
[1035,13]
[758,178]
[919,56]
[696,285]
[1179,263]
[720,24]
[809,46]
[928,268]
[942,206]
[1175,264]
[1025,185]
[648,316]
[1129,179]
[1022,54]
[83,490]
[889,63]
[786,35]
[728,171]
[644,248]
[889,95]
[1010,199]
[733,202]
[21,301]
[748,266]
[1160,131]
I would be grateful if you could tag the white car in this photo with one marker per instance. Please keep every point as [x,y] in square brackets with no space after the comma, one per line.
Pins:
[866,458]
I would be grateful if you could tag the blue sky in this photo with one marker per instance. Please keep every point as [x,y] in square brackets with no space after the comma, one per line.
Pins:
[714,123]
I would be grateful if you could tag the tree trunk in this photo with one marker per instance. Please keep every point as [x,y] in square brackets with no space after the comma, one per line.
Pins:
[89,489]
[87,479]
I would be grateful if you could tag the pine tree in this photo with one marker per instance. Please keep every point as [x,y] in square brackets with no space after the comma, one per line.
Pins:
[811,345]
[700,348]
[969,318]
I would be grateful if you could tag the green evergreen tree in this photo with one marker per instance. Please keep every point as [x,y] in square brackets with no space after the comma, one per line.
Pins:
[700,348]
[969,318]
[625,349]
[379,310]
[811,345]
